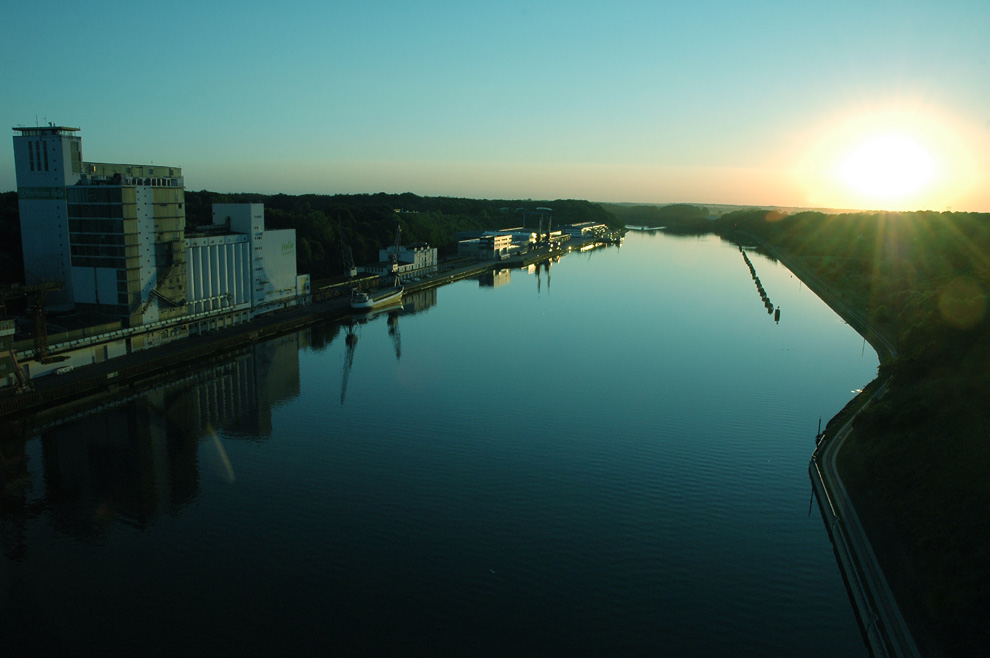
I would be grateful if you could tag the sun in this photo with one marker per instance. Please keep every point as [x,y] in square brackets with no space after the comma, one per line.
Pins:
[888,167]
[903,156]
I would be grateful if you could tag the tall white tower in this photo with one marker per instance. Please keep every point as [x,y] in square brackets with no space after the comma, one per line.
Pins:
[47,159]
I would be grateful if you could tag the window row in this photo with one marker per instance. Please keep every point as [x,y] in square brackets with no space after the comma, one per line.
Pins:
[96,226]
[97,238]
[109,251]
[87,261]
[35,151]
[87,194]
[112,210]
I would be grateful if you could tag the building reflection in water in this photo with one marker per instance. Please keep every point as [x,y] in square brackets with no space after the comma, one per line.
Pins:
[419,301]
[495,278]
[134,460]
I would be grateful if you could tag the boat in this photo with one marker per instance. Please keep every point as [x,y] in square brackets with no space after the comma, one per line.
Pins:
[365,301]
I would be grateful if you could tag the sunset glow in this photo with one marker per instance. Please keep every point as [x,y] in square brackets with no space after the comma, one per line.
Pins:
[906,156]
[889,167]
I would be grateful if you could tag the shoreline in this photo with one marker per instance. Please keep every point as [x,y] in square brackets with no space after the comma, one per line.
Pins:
[885,630]
[125,373]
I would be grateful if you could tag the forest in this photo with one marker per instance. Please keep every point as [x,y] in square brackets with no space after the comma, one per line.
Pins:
[674,217]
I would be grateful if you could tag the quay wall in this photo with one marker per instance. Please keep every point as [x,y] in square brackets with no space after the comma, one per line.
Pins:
[113,375]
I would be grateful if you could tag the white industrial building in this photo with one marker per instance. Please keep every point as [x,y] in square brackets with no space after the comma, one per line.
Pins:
[239,270]
[495,245]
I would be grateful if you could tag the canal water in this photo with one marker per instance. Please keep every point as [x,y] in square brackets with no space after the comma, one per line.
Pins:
[603,456]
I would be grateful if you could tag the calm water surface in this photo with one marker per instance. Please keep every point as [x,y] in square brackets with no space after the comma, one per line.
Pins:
[606,456]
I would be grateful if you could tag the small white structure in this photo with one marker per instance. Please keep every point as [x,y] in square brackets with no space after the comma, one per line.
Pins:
[417,259]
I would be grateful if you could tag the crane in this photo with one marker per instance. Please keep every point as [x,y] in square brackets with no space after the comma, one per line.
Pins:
[395,252]
[346,255]
[36,293]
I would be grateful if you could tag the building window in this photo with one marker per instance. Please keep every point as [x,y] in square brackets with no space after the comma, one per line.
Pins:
[46,157]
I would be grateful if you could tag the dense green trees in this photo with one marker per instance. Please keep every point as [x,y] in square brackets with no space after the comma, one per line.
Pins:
[677,217]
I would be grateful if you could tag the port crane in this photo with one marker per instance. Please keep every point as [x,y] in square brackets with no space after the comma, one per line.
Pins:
[394,256]
[346,255]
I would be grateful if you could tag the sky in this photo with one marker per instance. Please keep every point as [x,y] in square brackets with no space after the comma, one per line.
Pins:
[840,104]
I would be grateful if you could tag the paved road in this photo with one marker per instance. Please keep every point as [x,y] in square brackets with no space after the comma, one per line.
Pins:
[887,632]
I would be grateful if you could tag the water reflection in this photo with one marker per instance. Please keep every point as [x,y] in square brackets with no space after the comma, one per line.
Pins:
[538,269]
[412,303]
[134,459]
[650,487]
[495,278]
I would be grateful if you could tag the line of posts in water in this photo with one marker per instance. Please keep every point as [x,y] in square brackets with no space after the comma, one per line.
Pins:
[759,287]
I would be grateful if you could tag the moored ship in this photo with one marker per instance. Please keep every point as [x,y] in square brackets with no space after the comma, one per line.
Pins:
[365,301]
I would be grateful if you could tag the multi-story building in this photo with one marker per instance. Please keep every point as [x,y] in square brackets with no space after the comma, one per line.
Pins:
[113,235]
[496,245]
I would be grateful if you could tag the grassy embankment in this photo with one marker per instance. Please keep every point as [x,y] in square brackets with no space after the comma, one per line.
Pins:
[916,462]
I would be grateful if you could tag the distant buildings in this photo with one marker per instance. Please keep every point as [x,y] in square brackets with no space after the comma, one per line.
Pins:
[586,229]
[413,260]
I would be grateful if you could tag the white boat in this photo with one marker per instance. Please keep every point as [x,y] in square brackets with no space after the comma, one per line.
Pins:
[365,301]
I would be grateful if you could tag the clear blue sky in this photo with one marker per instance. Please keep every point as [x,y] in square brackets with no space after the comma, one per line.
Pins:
[714,101]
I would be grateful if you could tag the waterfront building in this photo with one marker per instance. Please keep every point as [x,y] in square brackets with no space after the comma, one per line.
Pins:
[239,270]
[112,235]
[469,248]
[585,229]
[495,245]
[490,245]
[418,259]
